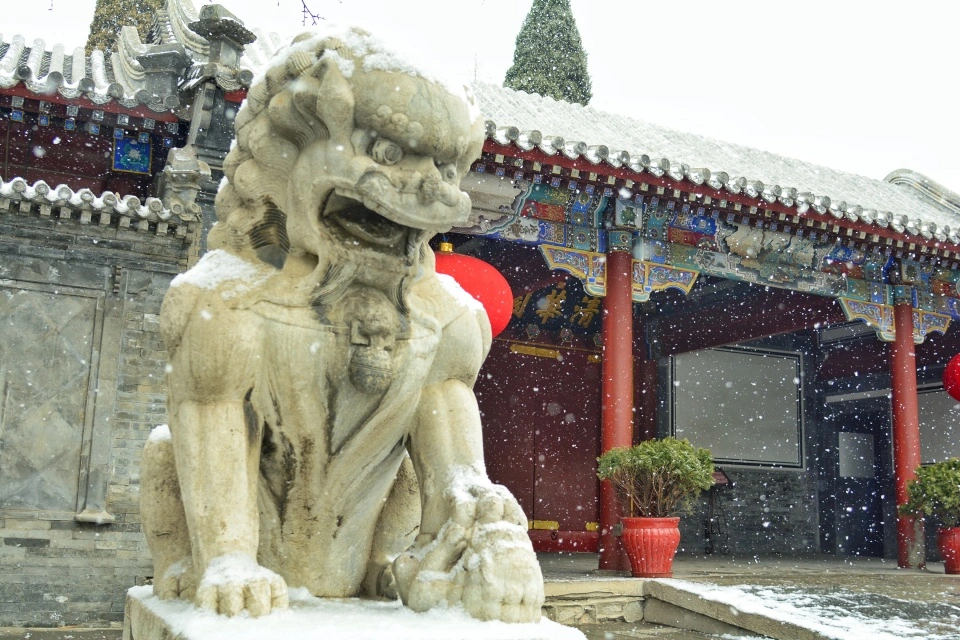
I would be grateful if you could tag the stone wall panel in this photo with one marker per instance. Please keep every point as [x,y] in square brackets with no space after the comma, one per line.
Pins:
[94,294]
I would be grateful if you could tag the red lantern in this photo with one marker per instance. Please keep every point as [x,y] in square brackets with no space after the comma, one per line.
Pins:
[951,377]
[482,281]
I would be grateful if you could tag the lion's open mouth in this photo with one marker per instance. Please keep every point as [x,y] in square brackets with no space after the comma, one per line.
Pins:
[363,223]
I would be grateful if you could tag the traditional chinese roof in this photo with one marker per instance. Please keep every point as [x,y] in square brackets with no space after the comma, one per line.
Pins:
[183,49]
[179,23]
[99,77]
[106,209]
[577,132]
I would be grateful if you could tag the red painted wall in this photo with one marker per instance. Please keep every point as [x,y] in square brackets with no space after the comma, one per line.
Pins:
[74,158]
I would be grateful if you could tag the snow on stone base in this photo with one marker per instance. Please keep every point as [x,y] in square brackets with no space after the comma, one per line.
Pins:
[309,618]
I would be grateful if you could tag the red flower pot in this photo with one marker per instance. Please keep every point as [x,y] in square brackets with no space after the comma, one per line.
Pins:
[948,542]
[651,544]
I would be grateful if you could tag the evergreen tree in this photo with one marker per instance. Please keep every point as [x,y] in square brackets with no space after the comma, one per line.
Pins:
[110,15]
[549,58]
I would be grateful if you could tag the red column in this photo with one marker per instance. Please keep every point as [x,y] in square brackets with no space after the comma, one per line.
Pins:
[617,388]
[906,428]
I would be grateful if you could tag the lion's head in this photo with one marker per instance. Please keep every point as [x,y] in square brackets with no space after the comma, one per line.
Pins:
[343,151]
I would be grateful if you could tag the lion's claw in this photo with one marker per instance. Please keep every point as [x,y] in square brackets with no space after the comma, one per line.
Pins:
[178,581]
[481,558]
[234,582]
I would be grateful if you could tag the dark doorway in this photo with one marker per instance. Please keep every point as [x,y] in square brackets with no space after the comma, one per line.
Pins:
[856,473]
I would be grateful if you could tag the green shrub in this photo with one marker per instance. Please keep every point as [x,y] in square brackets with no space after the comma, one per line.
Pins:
[657,478]
[935,492]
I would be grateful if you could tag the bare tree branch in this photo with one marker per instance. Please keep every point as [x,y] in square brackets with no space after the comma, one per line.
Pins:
[310,15]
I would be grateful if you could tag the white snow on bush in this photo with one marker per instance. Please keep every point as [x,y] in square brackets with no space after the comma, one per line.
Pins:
[311,618]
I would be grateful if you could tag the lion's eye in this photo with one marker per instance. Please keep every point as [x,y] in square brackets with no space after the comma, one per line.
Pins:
[386,152]
[447,171]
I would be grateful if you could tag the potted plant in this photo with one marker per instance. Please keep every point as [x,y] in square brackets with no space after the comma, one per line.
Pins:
[936,492]
[655,480]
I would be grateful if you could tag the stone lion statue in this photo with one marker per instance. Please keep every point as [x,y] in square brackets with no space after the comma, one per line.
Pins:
[323,429]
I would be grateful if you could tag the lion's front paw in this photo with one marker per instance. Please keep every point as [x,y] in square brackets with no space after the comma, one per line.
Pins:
[234,582]
[178,581]
[481,559]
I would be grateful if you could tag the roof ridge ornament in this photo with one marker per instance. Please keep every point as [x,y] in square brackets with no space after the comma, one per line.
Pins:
[180,181]
[181,13]
[928,189]
[163,65]
[225,34]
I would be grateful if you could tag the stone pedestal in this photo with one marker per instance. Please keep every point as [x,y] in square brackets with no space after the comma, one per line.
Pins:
[149,618]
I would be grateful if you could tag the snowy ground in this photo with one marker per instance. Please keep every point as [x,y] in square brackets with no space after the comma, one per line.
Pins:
[838,613]
[312,618]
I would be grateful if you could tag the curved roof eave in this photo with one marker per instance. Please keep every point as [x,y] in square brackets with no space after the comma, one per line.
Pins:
[150,210]
[599,137]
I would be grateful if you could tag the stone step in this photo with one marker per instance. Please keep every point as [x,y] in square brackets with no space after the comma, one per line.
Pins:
[579,601]
[667,600]
[659,612]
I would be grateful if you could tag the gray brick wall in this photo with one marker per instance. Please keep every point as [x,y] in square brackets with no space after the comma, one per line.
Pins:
[767,512]
[54,570]
[59,573]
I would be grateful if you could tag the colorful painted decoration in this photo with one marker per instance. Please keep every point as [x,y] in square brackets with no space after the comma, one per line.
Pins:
[881,318]
[575,223]
[628,213]
[131,155]
[482,281]
[590,269]
[951,378]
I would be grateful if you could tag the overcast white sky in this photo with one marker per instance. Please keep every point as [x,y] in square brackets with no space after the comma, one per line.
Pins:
[866,87]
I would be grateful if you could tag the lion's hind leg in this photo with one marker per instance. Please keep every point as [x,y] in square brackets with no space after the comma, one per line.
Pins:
[164,521]
[396,530]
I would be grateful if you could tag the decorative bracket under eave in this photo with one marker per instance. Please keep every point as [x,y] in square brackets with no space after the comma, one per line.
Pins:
[590,268]
[880,317]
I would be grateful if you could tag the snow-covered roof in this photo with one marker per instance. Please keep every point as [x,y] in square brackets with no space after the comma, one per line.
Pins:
[186,48]
[179,23]
[99,77]
[176,55]
[529,120]
[106,209]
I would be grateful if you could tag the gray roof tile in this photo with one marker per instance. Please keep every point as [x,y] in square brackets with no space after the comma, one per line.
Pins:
[902,206]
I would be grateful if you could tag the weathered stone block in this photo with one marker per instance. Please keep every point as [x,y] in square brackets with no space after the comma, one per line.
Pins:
[12,523]
[26,542]
[633,611]
[565,614]
[149,618]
